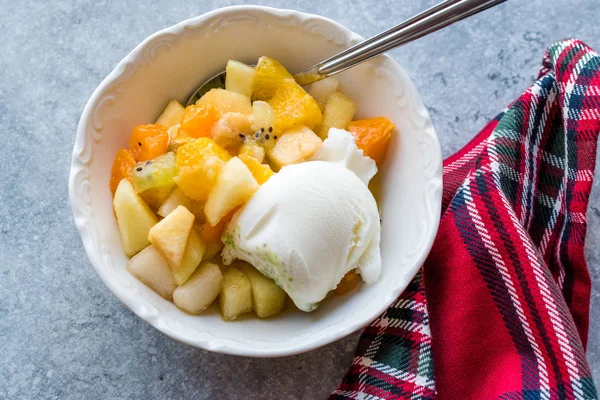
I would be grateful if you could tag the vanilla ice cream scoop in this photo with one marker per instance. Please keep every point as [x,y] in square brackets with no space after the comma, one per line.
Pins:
[306,227]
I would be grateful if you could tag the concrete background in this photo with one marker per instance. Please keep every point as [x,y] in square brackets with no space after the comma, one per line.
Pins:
[62,333]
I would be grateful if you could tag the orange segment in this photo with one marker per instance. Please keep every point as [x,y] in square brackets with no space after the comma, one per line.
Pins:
[122,168]
[348,282]
[269,76]
[197,120]
[293,106]
[149,141]
[199,162]
[260,172]
[372,136]
[212,234]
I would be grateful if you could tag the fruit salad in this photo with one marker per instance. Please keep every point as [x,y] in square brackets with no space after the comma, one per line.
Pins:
[256,193]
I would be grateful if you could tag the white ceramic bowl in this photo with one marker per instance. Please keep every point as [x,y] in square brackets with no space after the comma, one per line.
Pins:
[170,64]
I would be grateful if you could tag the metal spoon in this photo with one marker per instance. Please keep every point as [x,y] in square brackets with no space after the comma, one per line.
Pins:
[428,21]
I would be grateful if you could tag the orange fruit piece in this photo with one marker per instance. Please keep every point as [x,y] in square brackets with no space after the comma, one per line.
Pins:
[122,168]
[212,234]
[293,106]
[260,172]
[199,163]
[269,75]
[197,120]
[348,282]
[372,136]
[149,141]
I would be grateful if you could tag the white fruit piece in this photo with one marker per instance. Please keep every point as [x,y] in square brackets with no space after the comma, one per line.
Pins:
[295,145]
[230,130]
[322,90]
[262,116]
[338,113]
[171,115]
[194,251]
[234,186]
[252,149]
[170,236]
[134,217]
[225,101]
[268,299]
[239,77]
[200,290]
[236,294]
[149,267]
[177,198]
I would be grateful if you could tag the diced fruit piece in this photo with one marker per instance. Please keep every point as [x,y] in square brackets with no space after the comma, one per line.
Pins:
[176,198]
[155,173]
[212,234]
[260,172]
[321,90]
[262,116]
[230,130]
[178,137]
[269,76]
[199,163]
[171,115]
[372,136]
[252,149]
[239,77]
[268,299]
[339,111]
[170,236]
[121,169]
[225,101]
[149,267]
[348,282]
[197,120]
[200,290]
[234,186]
[294,146]
[156,196]
[293,106]
[212,249]
[236,294]
[134,218]
[194,251]
[149,141]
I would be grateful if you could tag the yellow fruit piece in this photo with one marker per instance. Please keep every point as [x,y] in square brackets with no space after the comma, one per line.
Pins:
[269,76]
[339,111]
[268,299]
[194,251]
[134,217]
[170,236]
[239,77]
[200,290]
[236,294]
[225,101]
[260,172]
[252,149]
[154,197]
[230,130]
[199,163]
[293,106]
[171,115]
[294,146]
[234,186]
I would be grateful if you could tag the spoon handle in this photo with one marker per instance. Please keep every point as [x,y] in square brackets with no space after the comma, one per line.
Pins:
[430,20]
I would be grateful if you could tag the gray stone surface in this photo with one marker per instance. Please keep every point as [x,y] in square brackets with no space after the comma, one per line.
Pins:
[62,333]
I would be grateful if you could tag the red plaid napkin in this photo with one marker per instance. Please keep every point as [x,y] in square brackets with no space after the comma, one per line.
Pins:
[501,307]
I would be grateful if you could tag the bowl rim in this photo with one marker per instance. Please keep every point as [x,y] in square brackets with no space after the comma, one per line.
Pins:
[208,344]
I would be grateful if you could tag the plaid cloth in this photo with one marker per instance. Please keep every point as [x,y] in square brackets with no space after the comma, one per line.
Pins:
[500,309]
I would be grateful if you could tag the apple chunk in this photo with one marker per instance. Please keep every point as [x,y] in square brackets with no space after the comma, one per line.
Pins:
[200,290]
[234,186]
[194,251]
[149,267]
[268,299]
[294,146]
[236,294]
[170,236]
[134,218]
